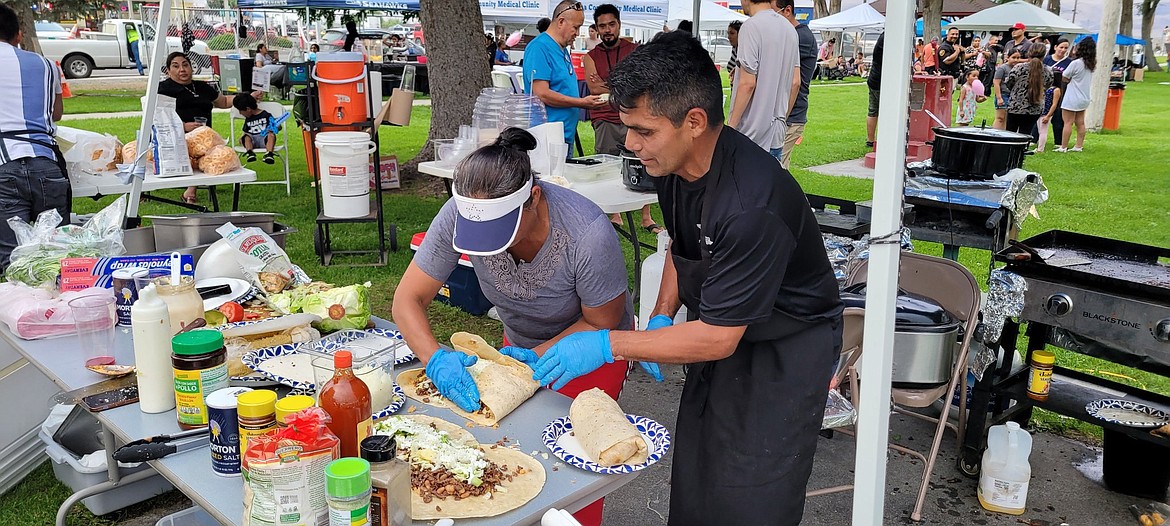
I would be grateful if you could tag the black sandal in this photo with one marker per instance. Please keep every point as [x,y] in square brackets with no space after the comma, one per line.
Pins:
[653,228]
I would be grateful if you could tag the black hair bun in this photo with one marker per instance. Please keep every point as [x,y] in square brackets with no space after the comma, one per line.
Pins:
[516,139]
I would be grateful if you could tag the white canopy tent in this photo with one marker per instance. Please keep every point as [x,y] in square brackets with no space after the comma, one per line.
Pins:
[1003,16]
[859,18]
[529,11]
[712,16]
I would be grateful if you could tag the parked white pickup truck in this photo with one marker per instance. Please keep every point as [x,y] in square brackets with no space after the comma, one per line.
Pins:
[109,48]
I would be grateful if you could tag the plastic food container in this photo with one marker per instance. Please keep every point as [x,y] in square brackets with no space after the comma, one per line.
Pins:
[607,167]
[373,361]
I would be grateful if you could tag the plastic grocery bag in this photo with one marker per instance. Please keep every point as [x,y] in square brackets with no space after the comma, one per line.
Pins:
[87,151]
[35,313]
[36,260]
[261,259]
[283,471]
[170,141]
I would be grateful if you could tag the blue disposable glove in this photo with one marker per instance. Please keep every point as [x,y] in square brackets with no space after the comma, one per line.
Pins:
[524,355]
[575,355]
[448,371]
[656,322]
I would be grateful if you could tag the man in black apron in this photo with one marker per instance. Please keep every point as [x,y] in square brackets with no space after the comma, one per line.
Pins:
[748,261]
[33,177]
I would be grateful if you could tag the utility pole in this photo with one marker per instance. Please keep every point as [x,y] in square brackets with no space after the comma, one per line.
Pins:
[1074,17]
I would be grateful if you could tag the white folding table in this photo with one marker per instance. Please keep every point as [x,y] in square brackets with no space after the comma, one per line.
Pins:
[88,184]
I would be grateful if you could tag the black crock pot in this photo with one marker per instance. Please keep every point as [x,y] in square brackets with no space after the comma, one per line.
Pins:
[977,153]
[634,174]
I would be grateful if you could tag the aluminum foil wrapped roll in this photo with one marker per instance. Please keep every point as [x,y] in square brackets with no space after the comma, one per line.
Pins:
[1005,299]
[839,412]
[838,249]
[1025,191]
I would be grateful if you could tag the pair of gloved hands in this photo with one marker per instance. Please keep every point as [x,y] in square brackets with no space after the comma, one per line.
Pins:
[575,355]
[579,354]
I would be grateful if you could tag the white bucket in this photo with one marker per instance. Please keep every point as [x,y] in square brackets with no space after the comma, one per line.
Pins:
[344,158]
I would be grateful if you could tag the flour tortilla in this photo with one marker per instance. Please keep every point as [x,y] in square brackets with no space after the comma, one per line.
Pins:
[500,390]
[456,433]
[601,427]
[520,490]
[475,345]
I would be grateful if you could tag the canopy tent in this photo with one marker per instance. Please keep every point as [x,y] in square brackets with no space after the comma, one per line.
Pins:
[918,26]
[859,18]
[712,16]
[950,7]
[382,5]
[1122,40]
[1001,17]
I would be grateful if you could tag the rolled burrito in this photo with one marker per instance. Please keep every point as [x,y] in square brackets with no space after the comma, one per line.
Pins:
[601,427]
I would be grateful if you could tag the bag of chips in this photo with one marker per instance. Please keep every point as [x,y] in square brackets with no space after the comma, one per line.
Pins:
[219,160]
[284,481]
[201,140]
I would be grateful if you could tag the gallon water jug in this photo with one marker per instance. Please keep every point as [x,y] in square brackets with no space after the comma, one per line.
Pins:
[651,279]
[1003,483]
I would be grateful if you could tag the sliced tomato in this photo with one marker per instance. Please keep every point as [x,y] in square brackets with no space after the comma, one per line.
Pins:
[233,311]
[336,311]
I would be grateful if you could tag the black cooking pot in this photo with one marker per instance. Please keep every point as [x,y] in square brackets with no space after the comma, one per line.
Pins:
[977,153]
[634,175]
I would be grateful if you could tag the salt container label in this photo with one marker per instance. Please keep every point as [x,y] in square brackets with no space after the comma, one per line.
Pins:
[224,440]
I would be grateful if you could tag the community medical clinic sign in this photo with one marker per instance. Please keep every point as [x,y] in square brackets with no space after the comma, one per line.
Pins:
[529,9]
[537,9]
[634,9]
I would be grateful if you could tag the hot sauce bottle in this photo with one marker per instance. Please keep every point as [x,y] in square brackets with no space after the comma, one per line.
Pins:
[347,400]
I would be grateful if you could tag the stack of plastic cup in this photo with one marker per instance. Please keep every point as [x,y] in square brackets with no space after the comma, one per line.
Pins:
[486,116]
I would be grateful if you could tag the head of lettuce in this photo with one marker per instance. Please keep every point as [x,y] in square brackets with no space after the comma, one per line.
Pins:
[339,307]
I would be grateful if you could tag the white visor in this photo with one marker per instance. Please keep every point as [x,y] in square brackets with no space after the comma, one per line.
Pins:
[486,227]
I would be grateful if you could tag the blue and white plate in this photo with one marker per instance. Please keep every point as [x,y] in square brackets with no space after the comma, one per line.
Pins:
[395,405]
[559,439]
[373,338]
[1128,413]
[255,360]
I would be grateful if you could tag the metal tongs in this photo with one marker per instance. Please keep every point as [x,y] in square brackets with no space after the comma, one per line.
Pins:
[159,446]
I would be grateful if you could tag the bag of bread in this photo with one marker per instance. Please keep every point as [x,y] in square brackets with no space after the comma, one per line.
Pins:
[219,160]
[201,140]
[113,165]
[86,151]
[261,259]
[284,472]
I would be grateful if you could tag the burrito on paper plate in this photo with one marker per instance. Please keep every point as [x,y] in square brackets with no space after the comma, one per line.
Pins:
[601,427]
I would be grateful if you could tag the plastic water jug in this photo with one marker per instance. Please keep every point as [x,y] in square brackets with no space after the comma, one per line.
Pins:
[1003,483]
[651,279]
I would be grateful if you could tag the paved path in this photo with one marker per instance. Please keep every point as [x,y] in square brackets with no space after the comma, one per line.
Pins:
[124,114]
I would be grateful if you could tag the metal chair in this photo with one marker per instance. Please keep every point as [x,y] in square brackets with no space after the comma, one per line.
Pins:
[846,373]
[953,287]
[280,149]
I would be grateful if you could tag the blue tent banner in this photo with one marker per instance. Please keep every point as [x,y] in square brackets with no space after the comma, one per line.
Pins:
[1122,40]
[383,5]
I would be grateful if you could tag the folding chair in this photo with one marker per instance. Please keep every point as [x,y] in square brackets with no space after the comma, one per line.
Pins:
[280,149]
[846,372]
[501,79]
[953,287]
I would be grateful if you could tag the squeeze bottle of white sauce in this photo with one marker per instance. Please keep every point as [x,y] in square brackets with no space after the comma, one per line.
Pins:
[150,323]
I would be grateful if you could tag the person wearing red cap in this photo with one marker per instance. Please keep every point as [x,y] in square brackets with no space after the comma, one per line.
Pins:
[1018,42]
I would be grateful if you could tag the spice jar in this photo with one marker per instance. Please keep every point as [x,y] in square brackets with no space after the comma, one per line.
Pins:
[200,367]
[183,302]
[1040,374]
[257,414]
[347,492]
[390,479]
[292,404]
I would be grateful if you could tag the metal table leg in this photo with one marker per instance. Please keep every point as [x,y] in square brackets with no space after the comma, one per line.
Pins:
[951,252]
[637,255]
[115,481]
[236,197]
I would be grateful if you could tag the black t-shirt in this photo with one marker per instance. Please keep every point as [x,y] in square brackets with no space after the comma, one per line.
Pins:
[257,124]
[192,100]
[945,50]
[875,69]
[766,247]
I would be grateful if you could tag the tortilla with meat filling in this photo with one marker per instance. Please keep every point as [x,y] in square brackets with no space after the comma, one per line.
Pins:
[601,427]
[504,382]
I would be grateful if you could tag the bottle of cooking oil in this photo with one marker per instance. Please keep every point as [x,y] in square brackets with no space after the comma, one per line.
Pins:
[1003,482]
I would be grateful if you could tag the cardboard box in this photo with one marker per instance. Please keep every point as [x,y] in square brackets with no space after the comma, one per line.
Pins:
[389,170]
[83,273]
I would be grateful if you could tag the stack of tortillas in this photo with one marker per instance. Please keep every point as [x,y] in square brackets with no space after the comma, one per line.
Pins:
[601,427]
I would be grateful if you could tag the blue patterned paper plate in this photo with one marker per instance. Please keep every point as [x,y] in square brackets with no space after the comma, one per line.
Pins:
[395,405]
[558,439]
[1127,413]
[255,360]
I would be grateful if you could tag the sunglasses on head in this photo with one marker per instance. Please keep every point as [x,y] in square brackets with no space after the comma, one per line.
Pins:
[575,6]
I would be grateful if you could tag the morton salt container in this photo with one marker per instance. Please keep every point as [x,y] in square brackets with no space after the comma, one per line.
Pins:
[223,423]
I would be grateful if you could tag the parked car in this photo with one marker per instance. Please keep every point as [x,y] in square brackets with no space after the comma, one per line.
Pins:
[719,48]
[109,49]
[334,39]
[52,30]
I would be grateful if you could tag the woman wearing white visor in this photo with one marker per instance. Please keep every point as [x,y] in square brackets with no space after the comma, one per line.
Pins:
[545,256]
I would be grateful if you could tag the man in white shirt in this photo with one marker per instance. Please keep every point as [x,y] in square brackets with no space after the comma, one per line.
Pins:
[32,170]
[767,81]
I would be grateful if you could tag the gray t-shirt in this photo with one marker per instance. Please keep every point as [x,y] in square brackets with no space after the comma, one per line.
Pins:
[808,63]
[769,49]
[581,263]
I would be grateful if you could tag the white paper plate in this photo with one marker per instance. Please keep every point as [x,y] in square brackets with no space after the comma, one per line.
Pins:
[240,291]
[559,439]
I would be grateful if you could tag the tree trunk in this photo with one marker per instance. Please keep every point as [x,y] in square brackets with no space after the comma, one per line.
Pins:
[28,26]
[1148,8]
[1098,94]
[1126,18]
[931,19]
[820,8]
[1054,6]
[1036,3]
[457,66]
[834,7]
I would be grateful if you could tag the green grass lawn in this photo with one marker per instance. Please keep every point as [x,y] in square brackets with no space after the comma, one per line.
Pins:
[1117,188]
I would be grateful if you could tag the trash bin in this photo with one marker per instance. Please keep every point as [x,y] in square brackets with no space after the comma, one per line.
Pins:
[1113,106]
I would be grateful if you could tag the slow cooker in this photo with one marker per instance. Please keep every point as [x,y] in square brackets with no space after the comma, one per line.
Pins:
[970,152]
[926,337]
[634,173]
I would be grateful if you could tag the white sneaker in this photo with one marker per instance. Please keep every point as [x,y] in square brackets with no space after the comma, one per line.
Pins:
[1061,149]
[1075,149]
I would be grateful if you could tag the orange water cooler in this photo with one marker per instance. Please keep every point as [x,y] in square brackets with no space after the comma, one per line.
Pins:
[341,88]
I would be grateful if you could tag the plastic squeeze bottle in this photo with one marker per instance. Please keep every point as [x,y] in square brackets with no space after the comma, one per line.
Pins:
[150,324]
[1005,472]
[347,400]
[390,500]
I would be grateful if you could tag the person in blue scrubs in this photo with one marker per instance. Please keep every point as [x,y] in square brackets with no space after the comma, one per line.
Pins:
[548,70]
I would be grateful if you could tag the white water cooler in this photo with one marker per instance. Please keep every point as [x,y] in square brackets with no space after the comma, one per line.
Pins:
[651,279]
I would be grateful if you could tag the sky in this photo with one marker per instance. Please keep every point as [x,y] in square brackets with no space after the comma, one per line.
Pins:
[1089,14]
